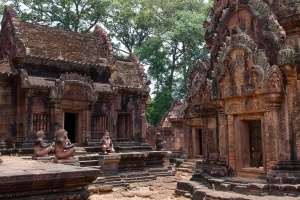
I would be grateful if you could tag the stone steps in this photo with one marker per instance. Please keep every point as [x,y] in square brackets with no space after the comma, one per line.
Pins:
[133,174]
[139,179]
[115,181]
[186,166]
[80,151]
[252,173]
[207,187]
[88,163]
[186,170]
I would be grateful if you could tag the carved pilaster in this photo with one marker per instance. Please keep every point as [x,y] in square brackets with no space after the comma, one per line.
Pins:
[29,137]
[222,134]
[272,129]
[84,125]
[231,143]
[143,119]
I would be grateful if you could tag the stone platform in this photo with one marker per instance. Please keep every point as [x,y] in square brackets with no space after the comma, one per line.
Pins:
[207,187]
[119,169]
[24,178]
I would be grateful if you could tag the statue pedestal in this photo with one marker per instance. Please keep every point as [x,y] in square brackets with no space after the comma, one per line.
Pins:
[109,164]
[132,161]
[157,158]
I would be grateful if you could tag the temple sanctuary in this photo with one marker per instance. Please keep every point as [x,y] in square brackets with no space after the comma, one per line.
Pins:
[242,107]
[52,79]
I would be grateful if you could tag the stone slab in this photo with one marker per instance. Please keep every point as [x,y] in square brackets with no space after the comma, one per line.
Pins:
[22,177]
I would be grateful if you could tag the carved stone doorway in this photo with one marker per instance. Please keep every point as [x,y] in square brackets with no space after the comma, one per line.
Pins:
[255,143]
[250,140]
[124,126]
[199,142]
[70,125]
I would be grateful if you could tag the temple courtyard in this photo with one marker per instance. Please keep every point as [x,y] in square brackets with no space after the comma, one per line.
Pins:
[47,177]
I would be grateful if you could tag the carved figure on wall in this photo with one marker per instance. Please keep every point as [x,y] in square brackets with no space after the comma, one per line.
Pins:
[40,148]
[107,145]
[159,143]
[63,147]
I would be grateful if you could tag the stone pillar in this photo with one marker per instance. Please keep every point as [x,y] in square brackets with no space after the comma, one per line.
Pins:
[88,128]
[29,137]
[271,123]
[57,119]
[222,134]
[83,127]
[143,121]
[231,143]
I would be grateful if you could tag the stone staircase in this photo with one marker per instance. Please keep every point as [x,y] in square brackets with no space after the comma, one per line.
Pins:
[161,171]
[224,188]
[137,176]
[125,175]
[187,166]
[90,160]
[257,173]
[115,181]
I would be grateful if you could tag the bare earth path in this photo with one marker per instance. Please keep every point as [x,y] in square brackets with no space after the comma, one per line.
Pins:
[162,188]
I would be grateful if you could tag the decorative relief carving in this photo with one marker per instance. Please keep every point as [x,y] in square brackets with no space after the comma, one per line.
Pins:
[74,104]
[275,82]
[194,122]
[75,87]
[246,67]
[245,105]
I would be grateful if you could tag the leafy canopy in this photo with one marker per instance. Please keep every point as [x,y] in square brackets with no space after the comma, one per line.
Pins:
[74,15]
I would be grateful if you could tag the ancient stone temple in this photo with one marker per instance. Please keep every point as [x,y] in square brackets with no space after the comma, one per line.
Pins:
[244,103]
[51,79]
[173,129]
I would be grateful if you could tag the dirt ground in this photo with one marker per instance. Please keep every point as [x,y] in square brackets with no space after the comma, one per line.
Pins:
[163,188]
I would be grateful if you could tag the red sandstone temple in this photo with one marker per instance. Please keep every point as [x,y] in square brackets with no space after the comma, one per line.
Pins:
[242,107]
[51,79]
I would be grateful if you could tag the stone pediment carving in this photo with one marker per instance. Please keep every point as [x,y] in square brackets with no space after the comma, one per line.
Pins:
[74,87]
[196,81]
[243,69]
[243,15]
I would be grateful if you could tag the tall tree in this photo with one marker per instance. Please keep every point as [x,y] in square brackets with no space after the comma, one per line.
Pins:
[172,51]
[168,37]
[74,15]
[130,22]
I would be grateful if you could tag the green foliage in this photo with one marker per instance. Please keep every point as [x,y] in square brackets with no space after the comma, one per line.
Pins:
[73,15]
[162,100]
[130,22]
[176,43]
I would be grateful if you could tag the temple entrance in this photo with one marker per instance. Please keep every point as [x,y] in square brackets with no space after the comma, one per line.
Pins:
[255,143]
[251,153]
[199,142]
[70,125]
[124,127]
